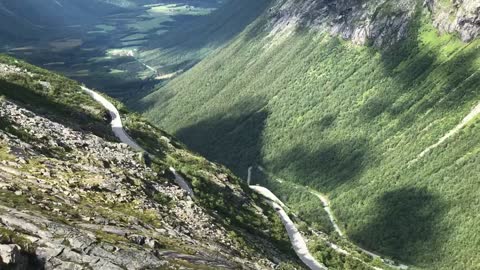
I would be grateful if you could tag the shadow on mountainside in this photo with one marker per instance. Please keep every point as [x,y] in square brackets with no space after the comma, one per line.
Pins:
[404,224]
[232,140]
[405,64]
[324,168]
[425,74]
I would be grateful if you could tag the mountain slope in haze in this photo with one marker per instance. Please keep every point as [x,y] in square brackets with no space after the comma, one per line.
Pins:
[124,47]
[72,197]
[188,40]
[30,20]
[373,103]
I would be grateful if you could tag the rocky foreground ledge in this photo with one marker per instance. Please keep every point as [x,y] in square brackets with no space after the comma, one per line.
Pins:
[72,200]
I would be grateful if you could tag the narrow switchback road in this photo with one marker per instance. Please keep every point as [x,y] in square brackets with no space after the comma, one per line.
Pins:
[327,209]
[117,128]
[473,113]
[296,238]
[326,206]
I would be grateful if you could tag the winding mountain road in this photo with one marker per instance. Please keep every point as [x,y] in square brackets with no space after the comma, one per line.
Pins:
[328,210]
[296,238]
[117,126]
[119,131]
[473,113]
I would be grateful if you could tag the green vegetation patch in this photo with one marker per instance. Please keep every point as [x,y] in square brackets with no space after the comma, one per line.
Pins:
[4,155]
[61,98]
[349,121]
[8,236]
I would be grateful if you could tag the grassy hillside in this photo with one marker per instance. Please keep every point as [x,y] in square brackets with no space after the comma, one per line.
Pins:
[349,121]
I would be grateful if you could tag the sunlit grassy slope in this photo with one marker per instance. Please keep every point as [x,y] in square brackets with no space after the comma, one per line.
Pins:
[349,121]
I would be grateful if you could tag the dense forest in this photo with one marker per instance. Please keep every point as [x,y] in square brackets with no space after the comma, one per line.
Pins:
[349,121]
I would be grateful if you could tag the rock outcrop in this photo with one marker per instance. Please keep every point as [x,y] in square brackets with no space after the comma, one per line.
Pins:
[380,23]
[459,16]
[10,254]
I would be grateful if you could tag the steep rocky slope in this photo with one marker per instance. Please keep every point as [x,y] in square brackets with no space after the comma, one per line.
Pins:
[378,22]
[348,98]
[457,16]
[71,197]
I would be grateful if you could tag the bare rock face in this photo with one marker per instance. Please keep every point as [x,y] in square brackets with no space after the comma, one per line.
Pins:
[459,16]
[9,254]
[380,23]
[11,257]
